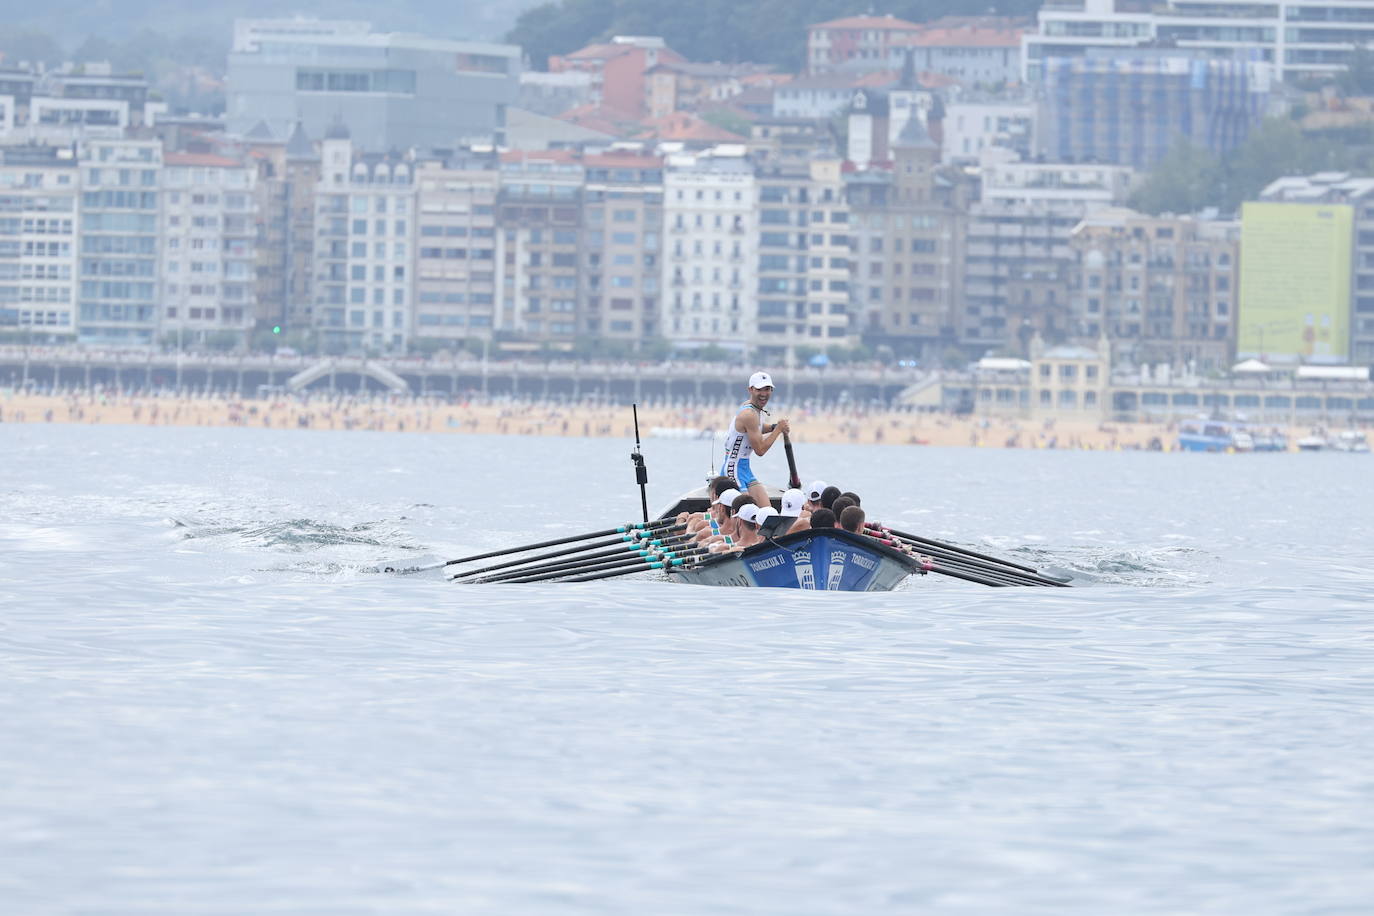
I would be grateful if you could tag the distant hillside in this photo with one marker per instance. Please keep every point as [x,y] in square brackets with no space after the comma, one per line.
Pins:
[70,22]
[763,31]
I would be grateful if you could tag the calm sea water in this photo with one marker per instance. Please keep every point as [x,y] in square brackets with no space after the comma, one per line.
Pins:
[208,705]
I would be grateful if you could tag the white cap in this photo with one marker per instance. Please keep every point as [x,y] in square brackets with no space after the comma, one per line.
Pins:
[760,380]
[792,503]
[816,489]
[727,497]
[766,512]
[749,513]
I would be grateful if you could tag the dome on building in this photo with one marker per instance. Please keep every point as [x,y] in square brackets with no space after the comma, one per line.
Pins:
[337,130]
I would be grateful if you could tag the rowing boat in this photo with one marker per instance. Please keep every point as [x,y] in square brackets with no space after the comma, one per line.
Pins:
[819,559]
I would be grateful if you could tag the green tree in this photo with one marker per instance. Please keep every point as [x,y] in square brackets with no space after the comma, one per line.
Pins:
[28,46]
[1358,76]
[1184,181]
[760,31]
[727,119]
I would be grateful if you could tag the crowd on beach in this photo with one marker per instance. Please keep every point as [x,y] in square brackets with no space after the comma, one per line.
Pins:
[473,413]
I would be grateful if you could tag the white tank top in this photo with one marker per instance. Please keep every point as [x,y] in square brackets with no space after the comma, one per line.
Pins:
[737,447]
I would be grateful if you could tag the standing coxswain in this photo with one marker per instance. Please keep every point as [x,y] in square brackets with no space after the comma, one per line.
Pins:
[749,436]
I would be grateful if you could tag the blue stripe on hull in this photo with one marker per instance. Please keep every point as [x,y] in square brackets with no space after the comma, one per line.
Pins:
[820,562]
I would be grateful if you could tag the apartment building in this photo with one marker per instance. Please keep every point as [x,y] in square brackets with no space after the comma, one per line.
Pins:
[364,248]
[1161,289]
[540,246]
[287,173]
[1133,108]
[66,105]
[907,235]
[39,222]
[623,270]
[209,247]
[855,43]
[619,70]
[1358,193]
[803,265]
[120,207]
[973,126]
[456,265]
[710,216]
[1298,39]
[1018,261]
[394,91]
[975,51]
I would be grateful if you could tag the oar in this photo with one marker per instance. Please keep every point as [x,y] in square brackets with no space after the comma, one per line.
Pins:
[941,545]
[621,529]
[602,556]
[1010,576]
[620,542]
[954,570]
[794,479]
[642,567]
[654,556]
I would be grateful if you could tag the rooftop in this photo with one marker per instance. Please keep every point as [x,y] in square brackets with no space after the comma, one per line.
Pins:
[202,160]
[888,22]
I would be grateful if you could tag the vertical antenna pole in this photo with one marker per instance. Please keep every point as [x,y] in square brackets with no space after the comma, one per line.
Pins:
[641,472]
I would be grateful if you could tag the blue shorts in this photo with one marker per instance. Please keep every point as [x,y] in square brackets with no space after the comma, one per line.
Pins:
[743,475]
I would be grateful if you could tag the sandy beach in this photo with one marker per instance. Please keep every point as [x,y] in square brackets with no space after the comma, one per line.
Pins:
[389,414]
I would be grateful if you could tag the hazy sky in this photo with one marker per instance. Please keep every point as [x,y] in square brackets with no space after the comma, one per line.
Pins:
[71,21]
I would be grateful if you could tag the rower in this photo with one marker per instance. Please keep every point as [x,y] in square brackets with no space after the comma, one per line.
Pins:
[828,496]
[822,518]
[696,521]
[852,520]
[749,435]
[718,516]
[813,495]
[748,527]
[794,505]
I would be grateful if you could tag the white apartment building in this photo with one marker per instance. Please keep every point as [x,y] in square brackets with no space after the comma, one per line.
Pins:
[971,127]
[38,241]
[804,260]
[455,283]
[364,251]
[710,218]
[209,247]
[1300,38]
[120,205]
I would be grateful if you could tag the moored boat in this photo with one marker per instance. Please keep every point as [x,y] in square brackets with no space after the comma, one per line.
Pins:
[1213,436]
[1349,440]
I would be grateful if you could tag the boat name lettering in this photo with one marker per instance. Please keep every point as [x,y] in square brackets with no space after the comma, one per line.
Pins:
[768,563]
[865,562]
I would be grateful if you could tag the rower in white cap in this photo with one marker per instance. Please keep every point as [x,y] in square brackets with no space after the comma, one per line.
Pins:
[749,435]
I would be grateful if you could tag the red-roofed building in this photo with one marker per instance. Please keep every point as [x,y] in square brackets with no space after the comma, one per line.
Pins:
[691,87]
[970,50]
[688,129]
[862,42]
[618,69]
[602,118]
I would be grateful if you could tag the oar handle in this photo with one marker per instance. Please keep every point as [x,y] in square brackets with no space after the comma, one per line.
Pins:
[794,479]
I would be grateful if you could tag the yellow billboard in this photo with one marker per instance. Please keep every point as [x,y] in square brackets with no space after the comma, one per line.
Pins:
[1295,280]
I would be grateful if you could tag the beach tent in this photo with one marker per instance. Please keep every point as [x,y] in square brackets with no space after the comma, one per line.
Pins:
[1251,366]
